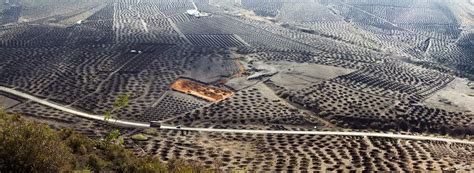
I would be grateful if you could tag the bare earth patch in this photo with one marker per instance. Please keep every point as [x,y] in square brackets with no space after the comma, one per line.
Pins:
[6,102]
[200,90]
[299,75]
[457,96]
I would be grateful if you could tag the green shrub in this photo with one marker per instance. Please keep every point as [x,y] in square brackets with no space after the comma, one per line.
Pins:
[151,131]
[95,163]
[31,147]
[26,146]
[139,137]
[323,113]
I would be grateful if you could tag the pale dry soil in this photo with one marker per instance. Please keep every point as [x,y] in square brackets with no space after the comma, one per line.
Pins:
[6,102]
[457,96]
[296,76]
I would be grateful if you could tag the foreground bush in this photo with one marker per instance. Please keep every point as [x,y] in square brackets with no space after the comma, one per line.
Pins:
[27,146]
[31,147]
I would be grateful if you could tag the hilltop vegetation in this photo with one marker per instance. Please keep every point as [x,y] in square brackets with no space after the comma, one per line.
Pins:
[27,146]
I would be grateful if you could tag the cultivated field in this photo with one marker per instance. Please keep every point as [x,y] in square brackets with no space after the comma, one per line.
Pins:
[388,66]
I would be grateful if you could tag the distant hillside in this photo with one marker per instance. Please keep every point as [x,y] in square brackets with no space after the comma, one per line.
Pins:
[33,3]
[39,9]
[32,10]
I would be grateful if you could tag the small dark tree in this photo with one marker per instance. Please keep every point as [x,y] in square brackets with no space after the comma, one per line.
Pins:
[120,102]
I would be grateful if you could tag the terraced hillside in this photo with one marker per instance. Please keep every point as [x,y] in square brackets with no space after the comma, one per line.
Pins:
[266,66]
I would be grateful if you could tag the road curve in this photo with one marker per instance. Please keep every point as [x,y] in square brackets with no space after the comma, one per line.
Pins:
[69,110]
[146,125]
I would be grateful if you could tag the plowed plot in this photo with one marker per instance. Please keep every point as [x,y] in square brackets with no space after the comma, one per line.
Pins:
[6,102]
[203,91]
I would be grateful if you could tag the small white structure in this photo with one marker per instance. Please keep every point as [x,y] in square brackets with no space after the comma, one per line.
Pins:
[136,51]
[193,13]
[196,13]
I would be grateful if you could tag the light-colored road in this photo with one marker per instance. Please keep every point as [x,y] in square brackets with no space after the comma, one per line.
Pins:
[145,26]
[385,135]
[69,110]
[146,125]
[178,31]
